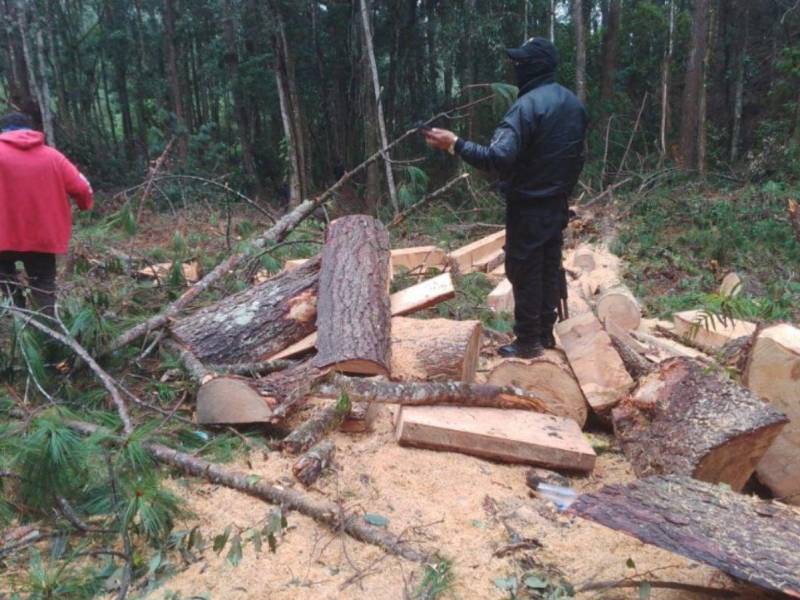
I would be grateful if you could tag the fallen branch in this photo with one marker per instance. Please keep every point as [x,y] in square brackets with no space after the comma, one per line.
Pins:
[400,217]
[664,585]
[310,466]
[314,428]
[196,370]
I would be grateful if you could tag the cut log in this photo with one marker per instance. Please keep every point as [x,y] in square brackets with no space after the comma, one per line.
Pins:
[773,373]
[747,538]
[686,421]
[549,377]
[255,323]
[160,272]
[596,364]
[668,348]
[708,332]
[731,285]
[230,401]
[632,353]
[425,349]
[310,466]
[313,429]
[501,298]
[286,390]
[353,309]
[417,297]
[464,258]
[361,418]
[490,262]
[503,435]
[619,305]
[584,259]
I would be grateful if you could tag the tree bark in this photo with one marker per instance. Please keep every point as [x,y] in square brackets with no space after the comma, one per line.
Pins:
[353,309]
[665,80]
[686,421]
[174,79]
[690,109]
[314,429]
[743,536]
[739,92]
[580,49]
[610,50]
[310,466]
[702,140]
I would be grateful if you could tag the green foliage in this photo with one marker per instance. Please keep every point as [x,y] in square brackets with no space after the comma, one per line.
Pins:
[438,578]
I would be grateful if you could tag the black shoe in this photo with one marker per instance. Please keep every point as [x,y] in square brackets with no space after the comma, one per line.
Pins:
[521,350]
[548,341]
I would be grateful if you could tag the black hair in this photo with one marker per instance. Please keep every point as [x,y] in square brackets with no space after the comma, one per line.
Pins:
[16,120]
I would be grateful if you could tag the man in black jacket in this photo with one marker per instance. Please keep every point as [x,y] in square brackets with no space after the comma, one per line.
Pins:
[537,150]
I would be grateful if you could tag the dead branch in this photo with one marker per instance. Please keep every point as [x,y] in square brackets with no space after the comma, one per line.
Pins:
[400,217]
[313,429]
[310,465]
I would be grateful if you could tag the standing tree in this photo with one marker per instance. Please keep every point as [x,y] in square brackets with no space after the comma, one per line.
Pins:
[665,79]
[610,49]
[580,49]
[694,81]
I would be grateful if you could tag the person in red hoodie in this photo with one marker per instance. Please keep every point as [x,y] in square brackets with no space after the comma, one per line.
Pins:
[36,182]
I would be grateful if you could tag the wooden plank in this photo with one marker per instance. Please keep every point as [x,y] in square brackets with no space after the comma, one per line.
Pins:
[418,258]
[596,364]
[465,257]
[515,436]
[743,536]
[708,332]
[501,298]
[773,373]
[417,297]
[490,262]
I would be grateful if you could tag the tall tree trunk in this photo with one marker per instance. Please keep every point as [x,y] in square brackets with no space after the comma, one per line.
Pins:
[665,79]
[690,109]
[739,92]
[174,78]
[140,78]
[580,49]
[295,188]
[378,106]
[610,48]
[37,74]
[702,139]
[551,18]
[332,143]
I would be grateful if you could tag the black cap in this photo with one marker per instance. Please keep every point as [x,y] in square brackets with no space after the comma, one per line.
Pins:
[536,49]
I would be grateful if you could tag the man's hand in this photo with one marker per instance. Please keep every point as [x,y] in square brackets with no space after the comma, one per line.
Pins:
[441,139]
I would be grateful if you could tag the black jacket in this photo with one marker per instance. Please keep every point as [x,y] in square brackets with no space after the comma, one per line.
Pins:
[538,147]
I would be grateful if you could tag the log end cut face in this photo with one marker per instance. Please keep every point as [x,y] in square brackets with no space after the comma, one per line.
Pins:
[225,401]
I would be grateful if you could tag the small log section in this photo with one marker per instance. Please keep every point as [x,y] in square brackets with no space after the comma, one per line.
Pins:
[255,323]
[229,400]
[313,429]
[287,390]
[708,332]
[684,420]
[549,377]
[504,435]
[596,364]
[773,374]
[731,285]
[435,349]
[434,393]
[747,538]
[465,258]
[632,353]
[619,305]
[501,298]
[353,310]
[310,466]
[361,418]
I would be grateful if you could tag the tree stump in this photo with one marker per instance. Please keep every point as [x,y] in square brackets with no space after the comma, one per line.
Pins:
[353,310]
[747,538]
[619,305]
[256,323]
[687,421]
[549,377]
[773,373]
[425,349]
[229,400]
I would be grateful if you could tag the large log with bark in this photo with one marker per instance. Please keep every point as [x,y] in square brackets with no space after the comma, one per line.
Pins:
[596,364]
[255,323]
[773,373]
[747,538]
[353,310]
[686,421]
[549,377]
[429,349]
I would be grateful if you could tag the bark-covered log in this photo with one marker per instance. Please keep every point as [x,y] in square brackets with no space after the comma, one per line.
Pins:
[685,420]
[432,394]
[257,322]
[747,538]
[353,310]
[314,429]
[310,465]
[550,378]
[286,390]
[424,349]
[630,351]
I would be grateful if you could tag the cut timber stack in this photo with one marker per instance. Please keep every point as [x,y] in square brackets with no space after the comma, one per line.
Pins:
[747,538]
[596,364]
[412,299]
[618,304]
[505,435]
[255,323]
[684,420]
[708,332]
[353,310]
[773,373]
[550,377]
[433,349]
[465,259]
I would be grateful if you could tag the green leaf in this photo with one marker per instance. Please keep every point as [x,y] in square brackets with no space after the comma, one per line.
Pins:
[255,537]
[376,520]
[630,564]
[535,583]
[235,552]
[506,583]
[343,405]
[252,479]
[221,539]
[644,591]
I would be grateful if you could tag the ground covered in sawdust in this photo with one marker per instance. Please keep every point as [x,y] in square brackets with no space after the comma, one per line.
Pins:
[464,508]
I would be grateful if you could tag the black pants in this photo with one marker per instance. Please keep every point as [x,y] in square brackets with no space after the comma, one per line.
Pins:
[536,282]
[40,268]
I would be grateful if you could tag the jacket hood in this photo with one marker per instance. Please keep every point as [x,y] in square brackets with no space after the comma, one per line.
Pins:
[535,64]
[23,139]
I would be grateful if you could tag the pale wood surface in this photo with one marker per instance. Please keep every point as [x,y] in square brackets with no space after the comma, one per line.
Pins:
[618,304]
[501,298]
[228,400]
[711,334]
[464,258]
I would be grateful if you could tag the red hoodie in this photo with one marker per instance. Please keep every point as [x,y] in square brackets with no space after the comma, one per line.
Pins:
[35,182]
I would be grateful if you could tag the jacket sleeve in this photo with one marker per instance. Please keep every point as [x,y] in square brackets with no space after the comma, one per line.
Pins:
[76,184]
[508,141]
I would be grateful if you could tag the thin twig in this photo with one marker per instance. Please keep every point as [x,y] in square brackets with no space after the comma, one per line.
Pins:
[400,217]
